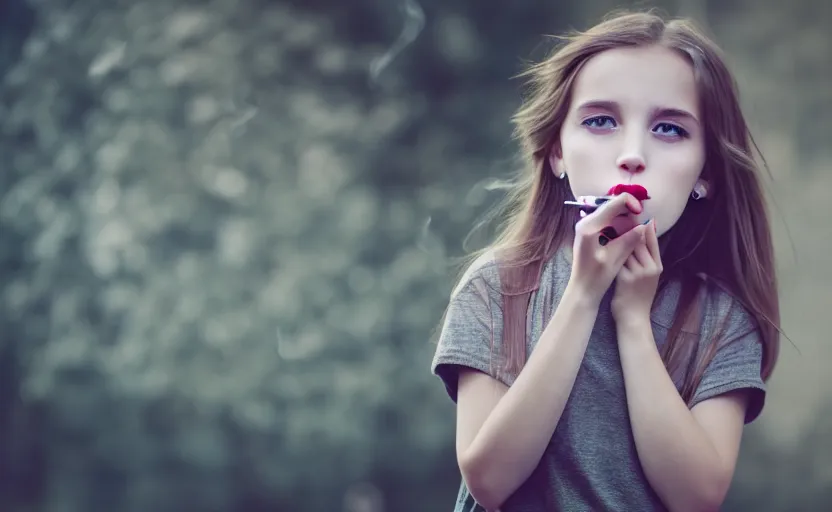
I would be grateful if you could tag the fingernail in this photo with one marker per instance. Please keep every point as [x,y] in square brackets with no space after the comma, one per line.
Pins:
[648,221]
[607,234]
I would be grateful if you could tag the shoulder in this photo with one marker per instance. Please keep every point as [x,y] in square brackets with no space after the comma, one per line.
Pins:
[481,275]
[716,307]
[737,351]
[727,316]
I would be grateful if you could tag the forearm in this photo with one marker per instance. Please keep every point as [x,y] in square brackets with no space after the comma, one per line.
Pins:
[678,458]
[513,438]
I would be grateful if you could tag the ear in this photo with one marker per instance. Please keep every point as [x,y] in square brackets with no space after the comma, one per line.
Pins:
[556,160]
[701,189]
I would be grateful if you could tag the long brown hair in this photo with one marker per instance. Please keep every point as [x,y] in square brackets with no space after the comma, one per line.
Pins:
[725,237]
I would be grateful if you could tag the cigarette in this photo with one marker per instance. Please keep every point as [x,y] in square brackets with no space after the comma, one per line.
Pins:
[588,203]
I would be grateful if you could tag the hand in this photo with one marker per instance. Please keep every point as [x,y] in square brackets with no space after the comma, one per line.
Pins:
[594,266]
[637,281]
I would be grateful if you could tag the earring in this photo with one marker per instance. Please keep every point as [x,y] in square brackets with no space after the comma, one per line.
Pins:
[562,175]
[700,190]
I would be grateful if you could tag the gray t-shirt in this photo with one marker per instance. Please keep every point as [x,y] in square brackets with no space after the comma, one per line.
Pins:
[591,462]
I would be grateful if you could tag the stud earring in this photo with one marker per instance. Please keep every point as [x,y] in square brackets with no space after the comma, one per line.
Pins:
[700,191]
[562,175]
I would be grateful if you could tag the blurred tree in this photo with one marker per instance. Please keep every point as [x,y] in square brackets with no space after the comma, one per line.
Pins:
[17,20]
[21,467]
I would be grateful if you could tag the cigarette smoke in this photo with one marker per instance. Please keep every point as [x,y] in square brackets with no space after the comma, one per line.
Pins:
[414,22]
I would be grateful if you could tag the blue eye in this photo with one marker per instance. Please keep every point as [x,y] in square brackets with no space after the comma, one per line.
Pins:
[671,130]
[599,122]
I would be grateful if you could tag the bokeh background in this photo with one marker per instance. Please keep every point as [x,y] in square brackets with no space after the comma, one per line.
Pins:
[228,229]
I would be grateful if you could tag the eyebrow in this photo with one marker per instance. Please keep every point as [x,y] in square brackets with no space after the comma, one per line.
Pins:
[657,112]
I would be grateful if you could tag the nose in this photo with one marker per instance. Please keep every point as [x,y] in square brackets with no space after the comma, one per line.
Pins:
[631,163]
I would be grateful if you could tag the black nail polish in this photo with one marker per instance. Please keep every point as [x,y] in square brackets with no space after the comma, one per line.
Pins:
[609,232]
[603,240]
[646,222]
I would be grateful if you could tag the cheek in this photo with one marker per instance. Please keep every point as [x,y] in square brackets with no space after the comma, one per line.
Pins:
[681,170]
[587,160]
[683,166]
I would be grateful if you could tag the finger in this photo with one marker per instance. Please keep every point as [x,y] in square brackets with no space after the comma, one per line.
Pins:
[624,245]
[623,223]
[632,264]
[652,239]
[641,253]
[622,204]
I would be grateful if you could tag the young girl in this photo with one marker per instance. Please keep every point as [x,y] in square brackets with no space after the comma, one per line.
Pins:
[617,376]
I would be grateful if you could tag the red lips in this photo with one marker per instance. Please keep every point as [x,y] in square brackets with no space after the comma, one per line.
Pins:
[636,191]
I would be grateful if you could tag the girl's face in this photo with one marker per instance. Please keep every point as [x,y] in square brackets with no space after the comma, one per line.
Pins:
[634,118]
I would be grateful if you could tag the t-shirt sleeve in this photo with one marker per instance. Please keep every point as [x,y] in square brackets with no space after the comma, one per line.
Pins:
[472,329]
[737,364]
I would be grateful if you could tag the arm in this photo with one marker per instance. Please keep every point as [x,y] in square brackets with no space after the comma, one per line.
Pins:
[688,456]
[502,432]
